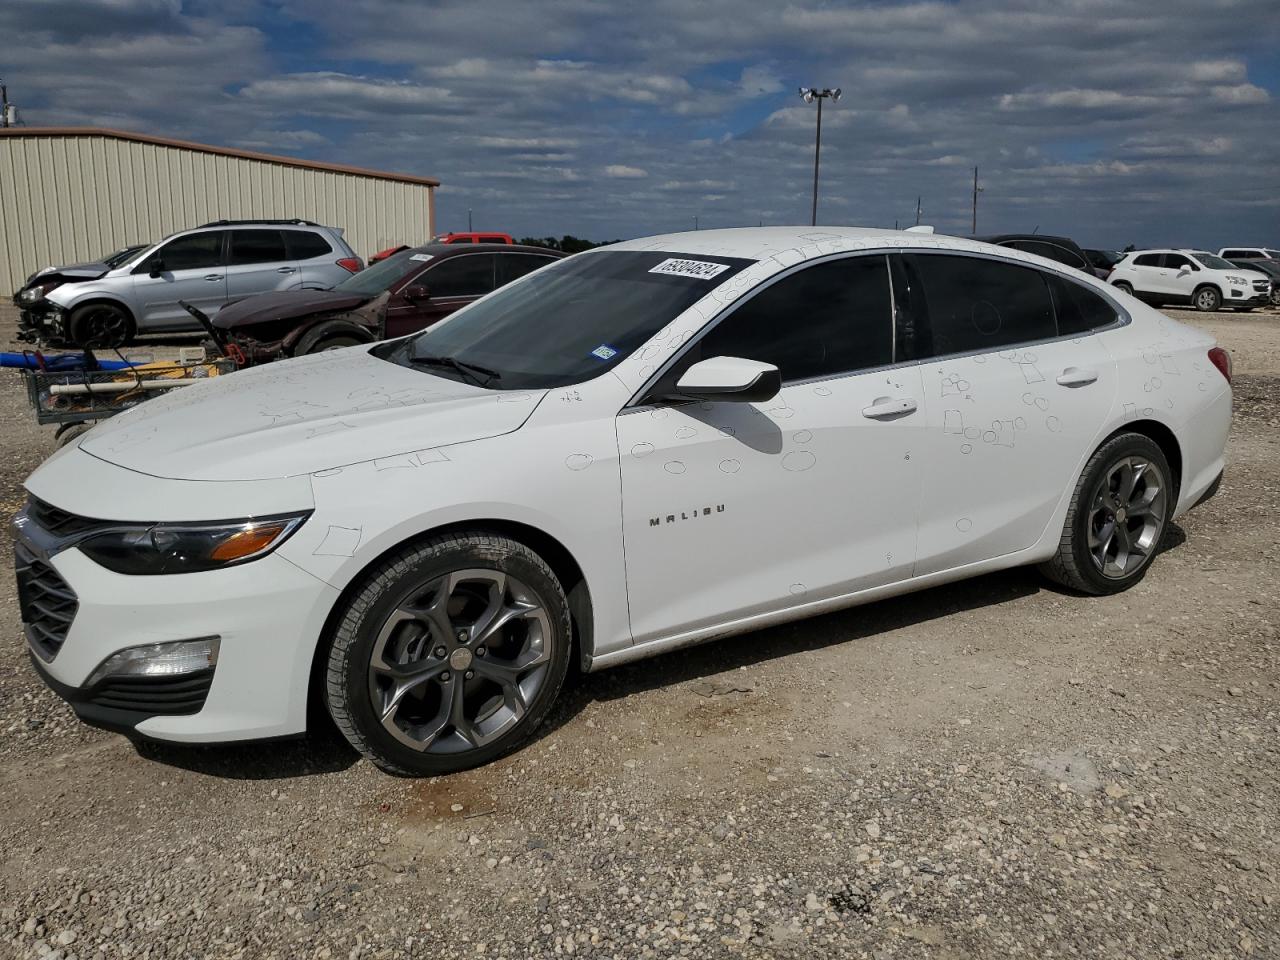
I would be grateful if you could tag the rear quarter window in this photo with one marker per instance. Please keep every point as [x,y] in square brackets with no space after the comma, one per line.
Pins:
[304,245]
[1079,309]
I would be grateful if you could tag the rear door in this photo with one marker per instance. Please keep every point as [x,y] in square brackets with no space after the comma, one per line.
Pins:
[1147,274]
[258,262]
[1015,397]
[315,259]
[191,269]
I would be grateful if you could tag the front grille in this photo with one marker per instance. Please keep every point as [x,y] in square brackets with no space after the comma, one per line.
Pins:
[1262,286]
[46,602]
[168,696]
[58,521]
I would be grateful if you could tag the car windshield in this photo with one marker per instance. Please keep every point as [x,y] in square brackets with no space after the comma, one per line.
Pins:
[1213,262]
[121,257]
[380,277]
[567,322]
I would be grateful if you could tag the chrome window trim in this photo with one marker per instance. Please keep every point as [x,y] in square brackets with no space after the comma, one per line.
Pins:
[1123,318]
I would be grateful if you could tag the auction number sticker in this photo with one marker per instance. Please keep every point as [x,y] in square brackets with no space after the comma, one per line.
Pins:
[604,352]
[422,257]
[699,269]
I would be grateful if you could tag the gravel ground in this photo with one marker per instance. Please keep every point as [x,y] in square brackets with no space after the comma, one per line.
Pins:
[988,769]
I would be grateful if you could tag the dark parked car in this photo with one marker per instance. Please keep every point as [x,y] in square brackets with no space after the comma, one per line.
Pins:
[402,294]
[1103,261]
[1061,249]
[1268,266]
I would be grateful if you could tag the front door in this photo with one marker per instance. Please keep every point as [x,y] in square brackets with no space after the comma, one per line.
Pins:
[1012,408]
[451,283]
[192,270]
[736,509]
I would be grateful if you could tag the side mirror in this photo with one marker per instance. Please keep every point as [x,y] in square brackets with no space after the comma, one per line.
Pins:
[156,267]
[417,291]
[730,380]
[1184,270]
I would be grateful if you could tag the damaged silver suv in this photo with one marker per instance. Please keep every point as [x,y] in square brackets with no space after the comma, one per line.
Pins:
[138,290]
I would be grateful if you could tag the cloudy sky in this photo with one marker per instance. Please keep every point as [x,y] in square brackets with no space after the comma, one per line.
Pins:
[1113,122]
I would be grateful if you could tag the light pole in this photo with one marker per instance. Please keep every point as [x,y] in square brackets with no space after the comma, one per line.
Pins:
[810,94]
[468,219]
[976,190]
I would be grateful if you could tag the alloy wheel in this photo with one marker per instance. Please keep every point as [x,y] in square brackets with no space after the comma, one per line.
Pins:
[457,664]
[1206,300]
[1126,517]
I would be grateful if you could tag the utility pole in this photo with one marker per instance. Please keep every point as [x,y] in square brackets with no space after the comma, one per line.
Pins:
[4,104]
[468,220]
[976,190]
[695,221]
[810,94]
[917,211]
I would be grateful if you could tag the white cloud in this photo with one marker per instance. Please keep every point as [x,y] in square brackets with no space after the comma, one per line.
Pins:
[621,171]
[1240,93]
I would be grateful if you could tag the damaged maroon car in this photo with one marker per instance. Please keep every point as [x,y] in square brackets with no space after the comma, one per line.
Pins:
[400,295]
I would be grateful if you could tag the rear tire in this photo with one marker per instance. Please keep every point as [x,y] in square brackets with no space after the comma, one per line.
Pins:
[449,655]
[1117,518]
[1207,299]
[100,325]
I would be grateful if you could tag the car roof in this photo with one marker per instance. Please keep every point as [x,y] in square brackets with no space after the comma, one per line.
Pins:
[760,243]
[455,249]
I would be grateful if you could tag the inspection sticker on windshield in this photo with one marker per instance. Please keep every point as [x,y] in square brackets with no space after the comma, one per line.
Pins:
[424,257]
[604,352]
[699,269]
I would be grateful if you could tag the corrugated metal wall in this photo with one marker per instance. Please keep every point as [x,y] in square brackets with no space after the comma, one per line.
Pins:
[68,199]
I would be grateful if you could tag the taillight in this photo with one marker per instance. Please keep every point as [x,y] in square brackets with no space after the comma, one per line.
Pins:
[1222,360]
[351,264]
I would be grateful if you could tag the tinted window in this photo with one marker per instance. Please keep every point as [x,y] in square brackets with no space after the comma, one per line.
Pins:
[1147,260]
[975,304]
[1079,309]
[256,246]
[384,274]
[1240,254]
[466,276]
[827,319]
[196,251]
[303,245]
[1050,251]
[513,266]
[1175,261]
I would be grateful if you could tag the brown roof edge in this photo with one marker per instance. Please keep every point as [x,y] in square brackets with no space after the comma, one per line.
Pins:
[220,151]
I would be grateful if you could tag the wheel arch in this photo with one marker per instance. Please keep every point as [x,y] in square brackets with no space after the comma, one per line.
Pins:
[1212,284]
[556,554]
[96,299]
[1163,437]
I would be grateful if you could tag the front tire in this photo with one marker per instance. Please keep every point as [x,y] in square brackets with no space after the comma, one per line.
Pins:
[449,655]
[1117,518]
[1207,299]
[1124,287]
[100,325]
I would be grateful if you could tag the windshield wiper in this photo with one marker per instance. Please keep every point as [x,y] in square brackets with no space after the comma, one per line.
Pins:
[480,375]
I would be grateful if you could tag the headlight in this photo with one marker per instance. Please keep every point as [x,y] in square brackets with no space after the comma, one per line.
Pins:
[32,294]
[149,549]
[1240,280]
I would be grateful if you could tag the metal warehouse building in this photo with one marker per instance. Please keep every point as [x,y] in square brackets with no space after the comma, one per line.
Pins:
[73,194]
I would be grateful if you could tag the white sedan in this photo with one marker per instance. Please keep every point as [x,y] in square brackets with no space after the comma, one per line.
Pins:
[641,447]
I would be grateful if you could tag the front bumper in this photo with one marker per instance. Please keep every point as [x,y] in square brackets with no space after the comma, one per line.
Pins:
[42,321]
[1249,299]
[268,614]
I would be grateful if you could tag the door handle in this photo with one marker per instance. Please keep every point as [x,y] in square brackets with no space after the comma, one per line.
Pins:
[213,276]
[286,270]
[886,408]
[1077,377]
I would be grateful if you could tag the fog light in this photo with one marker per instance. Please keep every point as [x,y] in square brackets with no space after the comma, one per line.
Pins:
[159,660]
[1236,294]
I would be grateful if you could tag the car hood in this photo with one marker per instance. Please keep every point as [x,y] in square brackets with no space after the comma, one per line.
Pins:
[69,273]
[285,305]
[292,417]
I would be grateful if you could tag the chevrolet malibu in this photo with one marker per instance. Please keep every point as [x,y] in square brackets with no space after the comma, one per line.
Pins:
[641,447]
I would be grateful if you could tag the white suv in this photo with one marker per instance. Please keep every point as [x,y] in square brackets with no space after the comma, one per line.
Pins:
[1249,253]
[1202,279]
